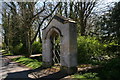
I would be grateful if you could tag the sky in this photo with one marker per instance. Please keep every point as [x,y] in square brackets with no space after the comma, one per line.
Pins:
[113,0]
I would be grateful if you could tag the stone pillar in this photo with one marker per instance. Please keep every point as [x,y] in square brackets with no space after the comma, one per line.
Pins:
[69,49]
[47,57]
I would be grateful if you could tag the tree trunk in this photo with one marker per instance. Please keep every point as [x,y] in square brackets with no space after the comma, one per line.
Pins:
[82,29]
[82,26]
[27,45]
[40,37]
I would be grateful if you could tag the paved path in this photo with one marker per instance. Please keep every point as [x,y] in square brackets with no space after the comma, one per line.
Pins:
[13,71]
[10,70]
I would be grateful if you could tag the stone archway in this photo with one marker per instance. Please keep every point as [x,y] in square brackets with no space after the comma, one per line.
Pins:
[55,43]
[53,35]
[66,29]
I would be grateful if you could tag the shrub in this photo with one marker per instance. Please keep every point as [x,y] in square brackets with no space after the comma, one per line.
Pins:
[88,48]
[17,49]
[36,48]
[111,70]
[113,49]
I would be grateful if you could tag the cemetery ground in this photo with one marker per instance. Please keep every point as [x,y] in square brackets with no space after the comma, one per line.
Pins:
[30,68]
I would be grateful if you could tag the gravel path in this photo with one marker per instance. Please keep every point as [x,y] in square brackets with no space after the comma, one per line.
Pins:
[10,70]
[13,71]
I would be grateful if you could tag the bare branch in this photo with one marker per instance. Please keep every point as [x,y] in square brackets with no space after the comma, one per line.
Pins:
[9,5]
[43,21]
[39,12]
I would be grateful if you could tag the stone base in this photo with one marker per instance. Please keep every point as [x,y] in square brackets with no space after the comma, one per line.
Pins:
[68,70]
[46,64]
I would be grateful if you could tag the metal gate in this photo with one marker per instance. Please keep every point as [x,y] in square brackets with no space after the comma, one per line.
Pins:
[55,41]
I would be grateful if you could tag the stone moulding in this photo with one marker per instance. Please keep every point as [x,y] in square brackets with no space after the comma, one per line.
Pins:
[54,29]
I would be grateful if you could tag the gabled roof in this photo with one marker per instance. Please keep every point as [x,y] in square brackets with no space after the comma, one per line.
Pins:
[63,19]
[60,19]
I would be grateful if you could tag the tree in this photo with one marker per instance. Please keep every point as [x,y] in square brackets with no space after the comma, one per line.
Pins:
[25,14]
[115,21]
[84,11]
[78,11]
[109,23]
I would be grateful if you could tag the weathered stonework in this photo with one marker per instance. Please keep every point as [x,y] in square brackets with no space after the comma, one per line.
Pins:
[66,29]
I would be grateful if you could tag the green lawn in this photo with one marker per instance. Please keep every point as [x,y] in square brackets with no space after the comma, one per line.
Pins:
[86,76]
[110,70]
[32,63]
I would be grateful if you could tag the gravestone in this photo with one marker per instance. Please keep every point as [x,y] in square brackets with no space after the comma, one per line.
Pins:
[66,29]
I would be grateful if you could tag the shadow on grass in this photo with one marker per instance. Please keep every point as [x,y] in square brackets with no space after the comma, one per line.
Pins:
[55,76]
[110,70]
[23,75]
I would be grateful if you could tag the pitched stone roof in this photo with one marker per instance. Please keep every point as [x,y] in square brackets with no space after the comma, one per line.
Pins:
[63,19]
[60,19]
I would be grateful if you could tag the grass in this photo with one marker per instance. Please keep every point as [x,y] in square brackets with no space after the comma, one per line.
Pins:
[32,63]
[86,76]
[1,50]
[110,70]
[8,54]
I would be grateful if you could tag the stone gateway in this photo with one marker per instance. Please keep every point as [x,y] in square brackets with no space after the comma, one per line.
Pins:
[66,30]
